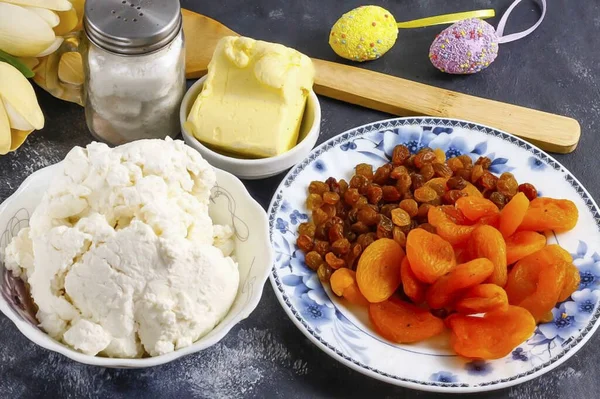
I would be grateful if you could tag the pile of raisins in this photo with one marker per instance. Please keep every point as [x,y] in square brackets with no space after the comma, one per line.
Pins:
[390,201]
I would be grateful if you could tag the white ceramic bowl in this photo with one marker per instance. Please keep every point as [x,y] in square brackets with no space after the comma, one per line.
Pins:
[256,168]
[230,204]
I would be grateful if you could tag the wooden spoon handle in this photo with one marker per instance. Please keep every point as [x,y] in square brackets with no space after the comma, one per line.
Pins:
[403,97]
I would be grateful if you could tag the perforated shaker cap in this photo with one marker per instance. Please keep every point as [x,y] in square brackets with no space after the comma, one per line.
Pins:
[132,27]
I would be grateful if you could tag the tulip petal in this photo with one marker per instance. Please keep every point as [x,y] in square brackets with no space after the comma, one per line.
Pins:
[15,119]
[52,48]
[56,5]
[18,137]
[17,95]
[68,21]
[5,136]
[23,33]
[30,62]
[79,6]
[49,16]
[70,68]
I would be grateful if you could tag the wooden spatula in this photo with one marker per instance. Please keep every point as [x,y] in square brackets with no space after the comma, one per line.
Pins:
[398,96]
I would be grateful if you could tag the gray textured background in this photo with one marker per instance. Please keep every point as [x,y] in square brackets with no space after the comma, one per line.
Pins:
[556,69]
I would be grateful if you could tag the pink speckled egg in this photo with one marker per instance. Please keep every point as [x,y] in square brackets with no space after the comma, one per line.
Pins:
[468,46]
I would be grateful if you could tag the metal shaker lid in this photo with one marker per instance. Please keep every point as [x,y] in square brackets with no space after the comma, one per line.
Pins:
[132,27]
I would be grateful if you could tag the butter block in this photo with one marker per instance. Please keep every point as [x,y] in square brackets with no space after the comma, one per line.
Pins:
[253,98]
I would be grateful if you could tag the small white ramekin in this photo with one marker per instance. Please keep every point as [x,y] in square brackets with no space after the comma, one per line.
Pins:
[256,168]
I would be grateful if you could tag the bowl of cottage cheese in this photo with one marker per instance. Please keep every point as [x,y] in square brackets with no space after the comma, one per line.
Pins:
[131,256]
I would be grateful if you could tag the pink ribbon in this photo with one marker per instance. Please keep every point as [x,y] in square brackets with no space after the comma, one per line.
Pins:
[518,35]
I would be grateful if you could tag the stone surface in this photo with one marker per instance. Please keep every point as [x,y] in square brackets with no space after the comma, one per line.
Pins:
[556,69]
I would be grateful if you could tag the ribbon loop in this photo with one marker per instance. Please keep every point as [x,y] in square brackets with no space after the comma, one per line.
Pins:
[518,35]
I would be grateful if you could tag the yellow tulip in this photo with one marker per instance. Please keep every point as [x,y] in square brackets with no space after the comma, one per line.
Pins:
[23,33]
[49,16]
[20,112]
[56,5]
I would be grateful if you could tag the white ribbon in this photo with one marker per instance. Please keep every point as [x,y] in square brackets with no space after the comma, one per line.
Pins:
[518,35]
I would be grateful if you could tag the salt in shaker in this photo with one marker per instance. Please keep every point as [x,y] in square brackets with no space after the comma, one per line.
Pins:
[134,62]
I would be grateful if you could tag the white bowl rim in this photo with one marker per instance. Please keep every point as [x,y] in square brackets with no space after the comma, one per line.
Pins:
[42,339]
[314,129]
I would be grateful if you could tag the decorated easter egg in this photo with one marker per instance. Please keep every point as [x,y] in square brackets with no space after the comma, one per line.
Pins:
[465,47]
[364,34]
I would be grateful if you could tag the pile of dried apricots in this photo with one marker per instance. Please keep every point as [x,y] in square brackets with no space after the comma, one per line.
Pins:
[428,243]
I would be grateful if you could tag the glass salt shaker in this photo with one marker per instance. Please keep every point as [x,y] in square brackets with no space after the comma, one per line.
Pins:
[134,63]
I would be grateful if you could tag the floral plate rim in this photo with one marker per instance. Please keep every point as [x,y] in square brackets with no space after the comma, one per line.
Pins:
[585,334]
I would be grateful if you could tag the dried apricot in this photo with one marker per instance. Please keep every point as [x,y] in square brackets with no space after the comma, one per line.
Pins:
[430,256]
[466,275]
[487,242]
[403,322]
[343,283]
[413,288]
[550,214]
[474,208]
[378,270]
[492,336]
[482,298]
[572,281]
[549,285]
[446,226]
[523,243]
[512,214]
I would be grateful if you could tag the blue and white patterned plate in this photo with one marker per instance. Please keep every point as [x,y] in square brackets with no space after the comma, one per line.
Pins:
[345,333]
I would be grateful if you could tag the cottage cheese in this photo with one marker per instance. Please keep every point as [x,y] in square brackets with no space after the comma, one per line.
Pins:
[121,255]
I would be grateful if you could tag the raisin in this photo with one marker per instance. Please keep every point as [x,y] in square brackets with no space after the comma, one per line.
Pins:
[319,216]
[313,260]
[425,194]
[400,154]
[314,201]
[368,216]
[390,194]
[425,149]
[410,206]
[451,196]
[364,240]
[400,217]
[343,186]
[331,198]
[317,187]
[321,232]
[352,256]
[488,181]
[335,232]
[404,183]
[428,227]
[465,173]
[476,173]
[410,162]
[399,236]
[324,272]
[423,158]
[351,196]
[328,209]
[427,171]
[353,215]
[485,162]
[440,155]
[529,190]
[442,170]
[499,199]
[305,243]
[417,181]
[365,170]
[439,188]
[341,246]
[408,195]
[466,160]
[359,228]
[374,194]
[382,174]
[387,209]
[334,261]
[321,246]
[423,211]
[384,227]
[351,236]
[307,228]
[456,183]
[507,185]
[455,164]
[398,171]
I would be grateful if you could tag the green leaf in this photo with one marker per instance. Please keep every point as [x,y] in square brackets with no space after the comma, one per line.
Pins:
[5,57]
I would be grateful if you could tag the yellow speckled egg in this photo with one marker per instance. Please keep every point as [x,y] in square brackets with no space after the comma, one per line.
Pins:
[363,34]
